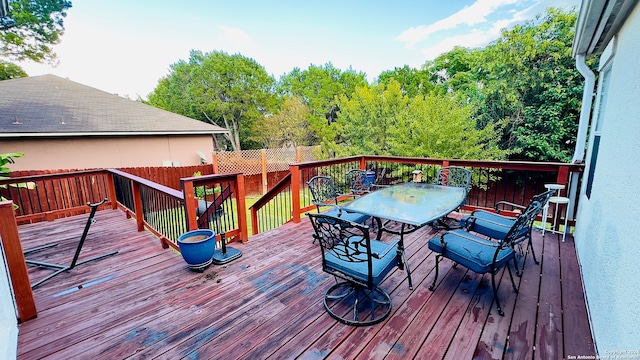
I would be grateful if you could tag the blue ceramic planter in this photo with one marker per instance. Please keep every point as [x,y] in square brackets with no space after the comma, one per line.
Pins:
[197,248]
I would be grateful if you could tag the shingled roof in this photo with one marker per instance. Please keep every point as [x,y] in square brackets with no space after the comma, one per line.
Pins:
[49,105]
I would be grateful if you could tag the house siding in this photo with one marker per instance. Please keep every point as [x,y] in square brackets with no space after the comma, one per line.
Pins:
[106,152]
[607,228]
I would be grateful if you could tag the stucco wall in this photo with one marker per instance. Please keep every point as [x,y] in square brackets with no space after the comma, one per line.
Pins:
[607,227]
[103,152]
[8,322]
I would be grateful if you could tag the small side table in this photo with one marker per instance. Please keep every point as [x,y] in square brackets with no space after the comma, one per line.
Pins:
[558,200]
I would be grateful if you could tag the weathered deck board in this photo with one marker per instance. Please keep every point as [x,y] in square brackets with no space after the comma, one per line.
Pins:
[268,303]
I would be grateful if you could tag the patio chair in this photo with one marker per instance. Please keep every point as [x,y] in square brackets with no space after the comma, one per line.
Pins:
[497,226]
[482,255]
[324,193]
[361,182]
[358,264]
[452,176]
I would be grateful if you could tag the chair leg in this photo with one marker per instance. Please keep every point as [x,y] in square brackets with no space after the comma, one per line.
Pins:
[495,291]
[513,283]
[533,253]
[435,278]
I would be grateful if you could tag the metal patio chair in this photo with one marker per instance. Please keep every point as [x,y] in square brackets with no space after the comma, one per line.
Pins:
[324,193]
[482,255]
[358,264]
[452,176]
[361,182]
[497,226]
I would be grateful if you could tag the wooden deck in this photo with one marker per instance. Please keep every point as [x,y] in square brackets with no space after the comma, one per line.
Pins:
[145,303]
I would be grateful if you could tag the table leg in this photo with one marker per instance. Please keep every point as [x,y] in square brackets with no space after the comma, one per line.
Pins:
[402,257]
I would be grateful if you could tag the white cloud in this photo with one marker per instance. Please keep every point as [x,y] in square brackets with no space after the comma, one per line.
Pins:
[475,38]
[234,39]
[471,15]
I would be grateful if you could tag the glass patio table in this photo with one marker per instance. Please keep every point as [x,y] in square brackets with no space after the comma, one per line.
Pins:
[412,205]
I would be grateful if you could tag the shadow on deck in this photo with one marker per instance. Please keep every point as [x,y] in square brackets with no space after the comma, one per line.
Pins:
[145,303]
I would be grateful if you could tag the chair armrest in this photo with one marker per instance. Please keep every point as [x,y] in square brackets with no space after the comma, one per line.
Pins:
[393,245]
[378,186]
[472,219]
[507,203]
[471,238]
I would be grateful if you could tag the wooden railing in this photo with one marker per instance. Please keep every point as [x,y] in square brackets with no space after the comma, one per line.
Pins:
[221,198]
[164,211]
[16,265]
[493,181]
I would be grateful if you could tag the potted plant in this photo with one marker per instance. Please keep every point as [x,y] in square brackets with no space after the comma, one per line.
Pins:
[197,248]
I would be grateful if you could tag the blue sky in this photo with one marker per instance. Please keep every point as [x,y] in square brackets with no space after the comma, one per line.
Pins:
[125,46]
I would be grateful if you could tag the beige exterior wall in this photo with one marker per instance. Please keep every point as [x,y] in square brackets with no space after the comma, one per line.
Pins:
[107,152]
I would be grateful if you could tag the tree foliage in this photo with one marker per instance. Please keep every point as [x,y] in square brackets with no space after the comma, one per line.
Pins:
[525,79]
[288,127]
[413,81]
[319,87]
[382,120]
[231,91]
[31,27]
[11,71]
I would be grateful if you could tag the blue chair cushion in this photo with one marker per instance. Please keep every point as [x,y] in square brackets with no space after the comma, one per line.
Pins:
[471,251]
[359,270]
[490,224]
[349,216]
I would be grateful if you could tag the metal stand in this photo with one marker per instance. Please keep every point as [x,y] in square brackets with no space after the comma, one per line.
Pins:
[74,262]
[226,254]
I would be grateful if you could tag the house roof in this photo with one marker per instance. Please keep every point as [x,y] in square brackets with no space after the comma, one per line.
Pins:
[48,105]
[598,22]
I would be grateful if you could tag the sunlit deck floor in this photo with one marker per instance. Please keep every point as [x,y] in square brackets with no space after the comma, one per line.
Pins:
[145,303]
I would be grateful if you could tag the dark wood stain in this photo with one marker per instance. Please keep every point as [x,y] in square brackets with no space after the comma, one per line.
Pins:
[144,302]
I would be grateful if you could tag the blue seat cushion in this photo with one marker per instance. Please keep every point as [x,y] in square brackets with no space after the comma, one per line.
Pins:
[470,251]
[490,224]
[359,270]
[349,216]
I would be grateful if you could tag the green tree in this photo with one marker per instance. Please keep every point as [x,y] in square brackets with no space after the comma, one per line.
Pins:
[31,27]
[413,81]
[11,71]
[526,80]
[288,127]
[382,120]
[319,87]
[231,91]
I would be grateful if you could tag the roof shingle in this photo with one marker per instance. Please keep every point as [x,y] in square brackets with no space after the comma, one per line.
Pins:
[49,105]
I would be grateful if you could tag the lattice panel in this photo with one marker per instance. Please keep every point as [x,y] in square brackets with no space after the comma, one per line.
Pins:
[249,162]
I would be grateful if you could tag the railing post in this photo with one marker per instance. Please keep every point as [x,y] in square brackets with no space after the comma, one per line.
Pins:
[254,221]
[363,163]
[137,204]
[111,184]
[190,204]
[16,264]
[296,186]
[563,176]
[242,208]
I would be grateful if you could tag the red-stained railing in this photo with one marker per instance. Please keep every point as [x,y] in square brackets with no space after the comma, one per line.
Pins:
[164,211]
[14,257]
[493,181]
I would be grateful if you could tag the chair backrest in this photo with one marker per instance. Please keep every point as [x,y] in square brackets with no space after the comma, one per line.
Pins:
[544,197]
[343,240]
[454,176]
[358,181]
[522,226]
[323,190]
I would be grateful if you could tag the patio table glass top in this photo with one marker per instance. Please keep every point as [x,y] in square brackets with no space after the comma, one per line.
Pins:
[409,203]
